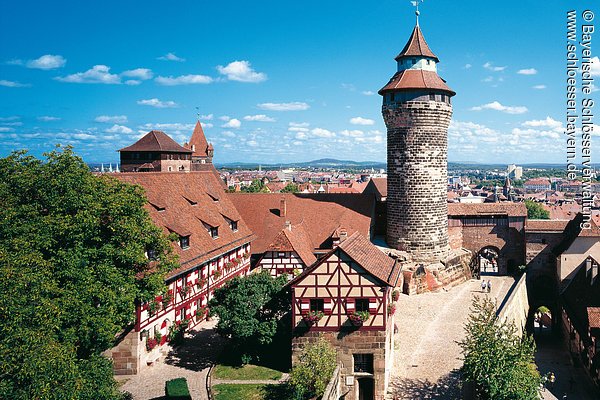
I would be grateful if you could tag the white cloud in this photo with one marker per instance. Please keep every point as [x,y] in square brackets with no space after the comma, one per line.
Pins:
[368,92]
[6,129]
[47,118]
[119,129]
[299,124]
[293,106]
[488,65]
[138,73]
[207,117]
[224,117]
[241,71]
[169,127]
[322,133]
[527,71]
[547,123]
[115,119]
[228,133]
[297,129]
[97,74]
[467,66]
[259,117]
[132,82]
[6,83]
[361,121]
[183,80]
[47,61]
[252,143]
[158,103]
[352,133]
[171,57]
[539,87]
[302,134]
[499,107]
[232,123]
[595,69]
[11,118]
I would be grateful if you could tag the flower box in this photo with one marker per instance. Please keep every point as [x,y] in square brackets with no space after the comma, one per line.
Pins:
[184,291]
[312,317]
[391,309]
[395,295]
[201,312]
[151,343]
[357,318]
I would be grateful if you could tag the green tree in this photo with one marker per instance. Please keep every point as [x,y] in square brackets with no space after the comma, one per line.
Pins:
[257,186]
[498,360]
[249,309]
[536,210]
[72,265]
[290,188]
[311,374]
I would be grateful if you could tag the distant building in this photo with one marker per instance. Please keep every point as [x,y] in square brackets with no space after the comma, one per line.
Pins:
[155,152]
[537,185]
[514,172]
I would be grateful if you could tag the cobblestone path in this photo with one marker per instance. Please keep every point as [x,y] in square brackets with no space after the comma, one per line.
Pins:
[426,351]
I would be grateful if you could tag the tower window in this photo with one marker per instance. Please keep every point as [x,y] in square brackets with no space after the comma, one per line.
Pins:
[428,62]
[392,96]
[414,61]
[431,97]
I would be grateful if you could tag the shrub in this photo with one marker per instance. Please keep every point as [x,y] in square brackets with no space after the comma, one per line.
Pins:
[314,369]
[177,389]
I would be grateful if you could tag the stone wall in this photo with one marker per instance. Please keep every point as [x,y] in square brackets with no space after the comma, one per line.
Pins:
[509,240]
[515,307]
[347,343]
[417,160]
[126,354]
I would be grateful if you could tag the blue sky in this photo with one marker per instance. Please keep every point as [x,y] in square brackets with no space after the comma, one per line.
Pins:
[277,81]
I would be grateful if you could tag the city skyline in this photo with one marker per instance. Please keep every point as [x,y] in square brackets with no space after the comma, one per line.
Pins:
[280,82]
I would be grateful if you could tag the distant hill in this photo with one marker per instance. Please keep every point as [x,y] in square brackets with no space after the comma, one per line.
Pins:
[320,163]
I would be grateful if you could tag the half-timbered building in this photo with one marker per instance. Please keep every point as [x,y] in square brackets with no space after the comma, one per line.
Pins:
[212,244]
[348,297]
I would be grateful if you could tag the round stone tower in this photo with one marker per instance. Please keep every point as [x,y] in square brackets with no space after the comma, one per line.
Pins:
[417,111]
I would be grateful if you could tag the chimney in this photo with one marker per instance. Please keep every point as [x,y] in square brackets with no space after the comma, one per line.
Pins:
[343,234]
[282,208]
[288,225]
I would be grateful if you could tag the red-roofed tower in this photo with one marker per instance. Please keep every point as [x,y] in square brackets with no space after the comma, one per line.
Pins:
[417,111]
[203,151]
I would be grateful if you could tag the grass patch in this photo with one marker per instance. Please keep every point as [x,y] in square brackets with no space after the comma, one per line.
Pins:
[250,392]
[246,373]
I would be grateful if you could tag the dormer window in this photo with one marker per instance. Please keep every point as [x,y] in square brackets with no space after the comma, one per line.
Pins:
[184,241]
[233,225]
[214,232]
[213,197]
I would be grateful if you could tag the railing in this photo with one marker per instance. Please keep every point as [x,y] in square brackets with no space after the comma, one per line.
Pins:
[332,391]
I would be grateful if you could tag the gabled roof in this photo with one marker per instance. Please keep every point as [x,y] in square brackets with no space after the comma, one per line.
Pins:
[377,186]
[198,142]
[320,214]
[410,79]
[156,141]
[572,231]
[172,192]
[366,255]
[416,46]
[295,239]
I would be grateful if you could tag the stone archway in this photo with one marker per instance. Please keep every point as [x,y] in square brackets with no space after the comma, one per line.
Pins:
[485,261]
[544,312]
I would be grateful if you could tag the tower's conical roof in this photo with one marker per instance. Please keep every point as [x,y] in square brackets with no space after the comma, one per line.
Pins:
[416,46]
[198,141]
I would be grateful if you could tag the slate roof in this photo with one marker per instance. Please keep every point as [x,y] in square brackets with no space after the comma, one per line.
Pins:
[416,46]
[179,202]
[157,141]
[320,215]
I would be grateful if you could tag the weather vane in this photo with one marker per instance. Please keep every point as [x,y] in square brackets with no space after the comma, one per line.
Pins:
[416,5]
[198,113]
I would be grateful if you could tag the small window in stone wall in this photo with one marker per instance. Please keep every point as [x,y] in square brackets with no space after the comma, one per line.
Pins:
[363,363]
[431,96]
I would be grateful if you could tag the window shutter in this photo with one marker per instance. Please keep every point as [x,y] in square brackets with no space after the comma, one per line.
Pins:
[327,306]
[373,305]
[350,305]
[304,306]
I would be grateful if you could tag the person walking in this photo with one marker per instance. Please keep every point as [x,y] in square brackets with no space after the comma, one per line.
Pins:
[483,285]
[489,286]
[551,380]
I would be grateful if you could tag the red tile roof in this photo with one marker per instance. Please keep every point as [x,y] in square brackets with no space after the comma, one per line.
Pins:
[416,46]
[409,79]
[378,187]
[545,225]
[483,209]
[295,239]
[594,317]
[320,215]
[198,140]
[156,141]
[367,255]
[183,202]
[594,230]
